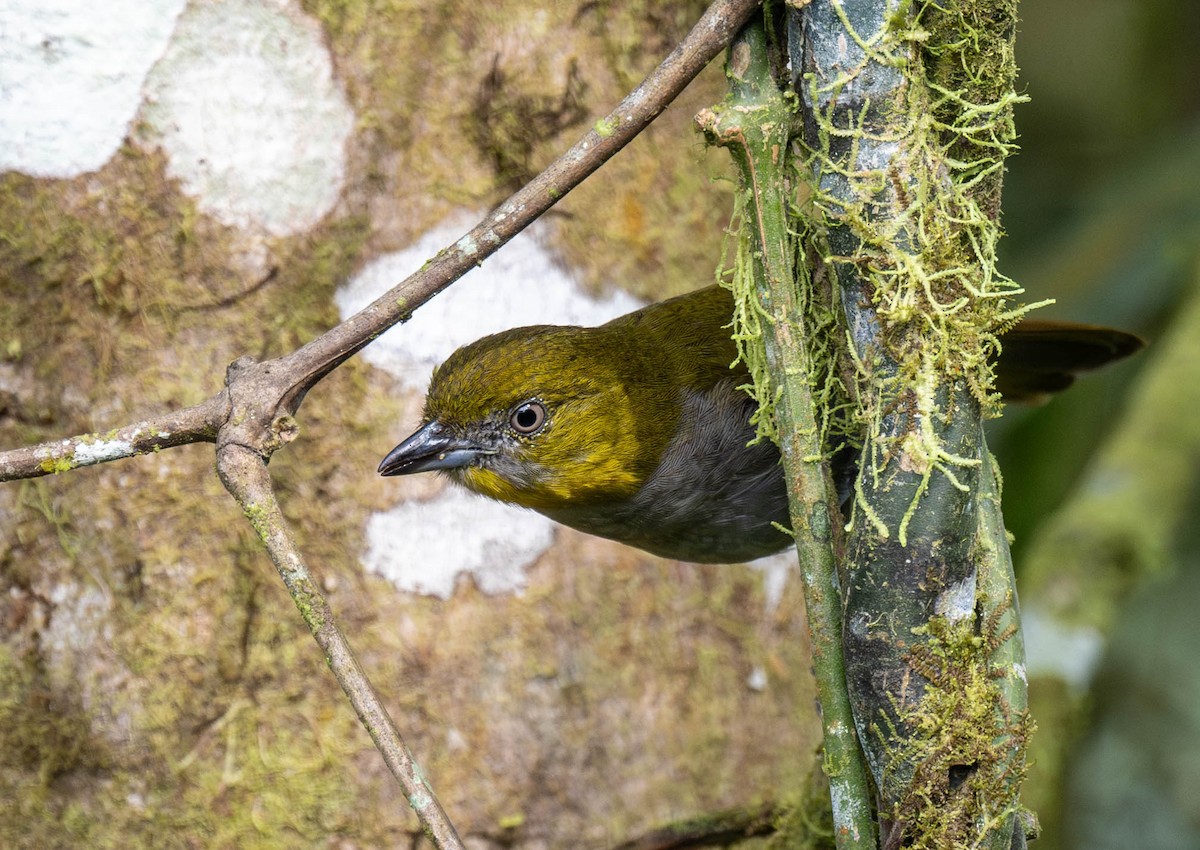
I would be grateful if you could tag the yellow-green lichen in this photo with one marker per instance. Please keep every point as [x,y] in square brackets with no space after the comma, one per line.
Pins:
[56,464]
[308,601]
[257,515]
[925,226]
[605,127]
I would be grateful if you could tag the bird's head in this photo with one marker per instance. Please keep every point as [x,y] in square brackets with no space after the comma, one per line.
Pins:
[545,417]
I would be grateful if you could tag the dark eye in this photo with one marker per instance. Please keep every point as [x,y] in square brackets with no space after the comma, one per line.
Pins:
[528,417]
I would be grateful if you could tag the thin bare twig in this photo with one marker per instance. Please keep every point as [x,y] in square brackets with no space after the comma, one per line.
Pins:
[286,380]
[252,417]
[244,474]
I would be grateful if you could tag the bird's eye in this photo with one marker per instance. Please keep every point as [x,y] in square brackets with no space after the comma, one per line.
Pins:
[528,417]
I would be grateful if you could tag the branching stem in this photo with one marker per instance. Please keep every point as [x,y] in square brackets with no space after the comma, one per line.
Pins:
[252,417]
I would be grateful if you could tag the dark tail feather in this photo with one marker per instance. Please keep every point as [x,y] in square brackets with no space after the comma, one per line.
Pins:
[1039,358]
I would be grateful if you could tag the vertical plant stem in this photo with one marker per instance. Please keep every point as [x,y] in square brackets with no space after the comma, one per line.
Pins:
[908,118]
[754,125]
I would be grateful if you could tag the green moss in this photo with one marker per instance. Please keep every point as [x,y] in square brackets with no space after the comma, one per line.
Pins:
[120,247]
[254,768]
[927,260]
[962,734]
[969,61]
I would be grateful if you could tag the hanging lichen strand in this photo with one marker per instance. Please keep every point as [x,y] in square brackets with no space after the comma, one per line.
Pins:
[907,120]
[908,127]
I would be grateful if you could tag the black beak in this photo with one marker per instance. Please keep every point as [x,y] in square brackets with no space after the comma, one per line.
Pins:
[433,447]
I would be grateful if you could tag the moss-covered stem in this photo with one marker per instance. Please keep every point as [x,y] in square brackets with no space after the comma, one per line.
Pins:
[907,120]
[754,124]
[1004,642]
[244,474]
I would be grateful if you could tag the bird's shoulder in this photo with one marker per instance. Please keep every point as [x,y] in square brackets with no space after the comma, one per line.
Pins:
[687,335]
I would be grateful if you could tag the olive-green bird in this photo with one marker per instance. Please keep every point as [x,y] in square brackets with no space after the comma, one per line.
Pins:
[636,430]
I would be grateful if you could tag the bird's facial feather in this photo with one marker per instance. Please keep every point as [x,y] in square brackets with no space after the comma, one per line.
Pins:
[596,438]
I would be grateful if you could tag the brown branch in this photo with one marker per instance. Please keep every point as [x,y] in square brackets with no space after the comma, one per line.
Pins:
[252,417]
[285,381]
[244,474]
[198,424]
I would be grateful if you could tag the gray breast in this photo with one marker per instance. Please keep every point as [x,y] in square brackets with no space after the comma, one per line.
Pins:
[713,498]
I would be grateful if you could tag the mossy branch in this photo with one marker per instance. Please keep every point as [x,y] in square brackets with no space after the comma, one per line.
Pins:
[771,324]
[907,119]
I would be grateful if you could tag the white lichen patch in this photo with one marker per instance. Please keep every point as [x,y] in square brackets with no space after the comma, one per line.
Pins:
[957,602]
[423,547]
[519,285]
[253,123]
[100,451]
[71,75]
[847,810]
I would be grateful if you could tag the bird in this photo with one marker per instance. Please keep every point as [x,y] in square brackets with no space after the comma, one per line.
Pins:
[639,430]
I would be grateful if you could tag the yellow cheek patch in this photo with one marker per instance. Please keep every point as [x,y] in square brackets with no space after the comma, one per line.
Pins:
[608,472]
[487,483]
[597,477]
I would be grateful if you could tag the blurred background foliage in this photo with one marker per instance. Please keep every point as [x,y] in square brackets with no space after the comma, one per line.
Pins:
[1102,210]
